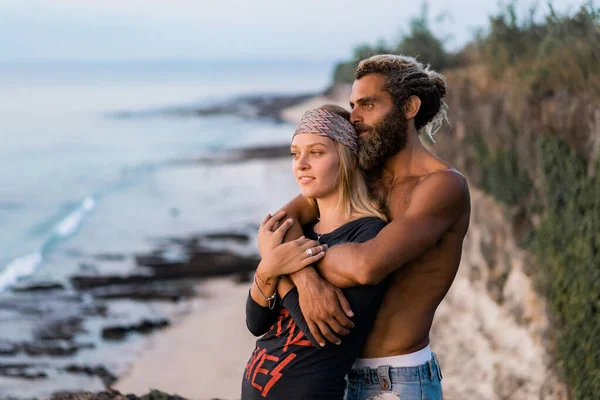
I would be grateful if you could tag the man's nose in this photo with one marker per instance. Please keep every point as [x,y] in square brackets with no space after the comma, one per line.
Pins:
[355,117]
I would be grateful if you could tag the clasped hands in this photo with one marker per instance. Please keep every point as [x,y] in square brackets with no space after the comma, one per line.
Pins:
[324,306]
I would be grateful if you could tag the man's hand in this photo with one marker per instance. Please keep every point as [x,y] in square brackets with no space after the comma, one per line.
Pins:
[324,307]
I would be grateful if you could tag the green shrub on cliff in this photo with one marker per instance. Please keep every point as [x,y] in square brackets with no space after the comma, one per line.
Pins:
[420,42]
[499,172]
[567,248]
[559,52]
[344,71]
[566,245]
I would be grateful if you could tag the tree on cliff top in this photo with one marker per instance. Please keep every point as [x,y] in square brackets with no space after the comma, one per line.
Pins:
[420,42]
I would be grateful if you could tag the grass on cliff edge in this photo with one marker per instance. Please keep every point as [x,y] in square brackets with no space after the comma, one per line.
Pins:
[567,248]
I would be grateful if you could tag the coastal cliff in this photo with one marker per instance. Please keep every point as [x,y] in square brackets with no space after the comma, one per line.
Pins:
[495,332]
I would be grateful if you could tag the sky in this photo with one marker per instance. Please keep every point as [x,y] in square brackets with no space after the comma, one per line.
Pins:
[127,30]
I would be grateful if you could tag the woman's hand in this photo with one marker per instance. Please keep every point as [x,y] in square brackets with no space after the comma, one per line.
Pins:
[290,257]
[271,232]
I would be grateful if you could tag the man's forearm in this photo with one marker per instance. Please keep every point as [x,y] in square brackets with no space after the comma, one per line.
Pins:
[343,266]
[299,278]
[301,211]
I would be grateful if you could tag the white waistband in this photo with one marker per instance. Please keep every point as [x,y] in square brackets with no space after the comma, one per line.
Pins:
[405,360]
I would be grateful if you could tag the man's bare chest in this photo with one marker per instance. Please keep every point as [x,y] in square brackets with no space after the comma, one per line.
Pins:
[399,197]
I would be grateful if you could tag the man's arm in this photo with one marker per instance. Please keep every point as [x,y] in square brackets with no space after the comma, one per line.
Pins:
[436,203]
[302,212]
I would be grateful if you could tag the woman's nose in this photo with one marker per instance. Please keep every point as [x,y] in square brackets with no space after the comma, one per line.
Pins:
[302,163]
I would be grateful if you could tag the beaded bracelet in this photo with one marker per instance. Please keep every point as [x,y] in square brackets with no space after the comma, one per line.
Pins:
[272,298]
[261,279]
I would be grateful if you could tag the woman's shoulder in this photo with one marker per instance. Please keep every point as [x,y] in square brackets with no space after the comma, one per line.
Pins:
[366,228]
[358,230]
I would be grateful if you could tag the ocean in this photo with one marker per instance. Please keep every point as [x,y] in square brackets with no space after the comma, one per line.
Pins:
[96,168]
[76,177]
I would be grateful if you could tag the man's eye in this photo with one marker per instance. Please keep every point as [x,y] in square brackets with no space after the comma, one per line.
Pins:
[293,154]
[368,105]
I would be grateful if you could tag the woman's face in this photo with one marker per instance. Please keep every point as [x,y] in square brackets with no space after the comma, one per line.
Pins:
[316,165]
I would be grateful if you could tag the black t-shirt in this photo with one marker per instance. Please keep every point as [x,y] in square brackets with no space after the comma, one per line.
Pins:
[287,362]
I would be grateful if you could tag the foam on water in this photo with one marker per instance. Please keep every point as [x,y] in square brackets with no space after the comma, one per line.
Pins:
[19,268]
[71,224]
[24,266]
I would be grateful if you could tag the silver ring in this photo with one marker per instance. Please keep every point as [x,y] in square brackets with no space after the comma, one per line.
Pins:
[309,252]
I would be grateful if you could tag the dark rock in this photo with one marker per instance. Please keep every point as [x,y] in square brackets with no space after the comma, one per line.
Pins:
[81,282]
[152,291]
[203,263]
[111,394]
[88,267]
[38,287]
[107,378]
[110,257]
[247,154]
[259,106]
[64,329]
[9,349]
[22,371]
[264,106]
[231,236]
[53,348]
[243,277]
[144,327]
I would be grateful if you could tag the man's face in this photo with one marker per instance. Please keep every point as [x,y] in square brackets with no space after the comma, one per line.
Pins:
[381,127]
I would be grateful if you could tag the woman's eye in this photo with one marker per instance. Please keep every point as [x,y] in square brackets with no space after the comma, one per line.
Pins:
[293,154]
[316,153]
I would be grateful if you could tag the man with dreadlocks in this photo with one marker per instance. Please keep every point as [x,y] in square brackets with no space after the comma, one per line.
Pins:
[394,99]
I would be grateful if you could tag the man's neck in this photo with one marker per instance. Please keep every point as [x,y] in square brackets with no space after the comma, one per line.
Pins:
[408,162]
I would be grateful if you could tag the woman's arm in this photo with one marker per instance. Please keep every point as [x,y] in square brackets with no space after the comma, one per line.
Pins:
[261,313]
[283,259]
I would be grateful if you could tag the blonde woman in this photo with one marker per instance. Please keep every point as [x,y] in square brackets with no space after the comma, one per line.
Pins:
[287,362]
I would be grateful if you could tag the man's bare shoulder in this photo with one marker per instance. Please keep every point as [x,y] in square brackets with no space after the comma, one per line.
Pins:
[445,188]
[450,178]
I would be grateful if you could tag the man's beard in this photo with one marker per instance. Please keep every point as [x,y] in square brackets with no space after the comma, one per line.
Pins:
[378,142]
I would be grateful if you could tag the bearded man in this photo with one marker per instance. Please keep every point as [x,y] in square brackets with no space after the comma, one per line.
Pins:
[394,99]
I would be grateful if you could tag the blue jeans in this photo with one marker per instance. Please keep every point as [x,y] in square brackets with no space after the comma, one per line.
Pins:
[405,383]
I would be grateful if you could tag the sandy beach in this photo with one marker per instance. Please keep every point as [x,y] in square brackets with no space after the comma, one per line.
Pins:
[204,355]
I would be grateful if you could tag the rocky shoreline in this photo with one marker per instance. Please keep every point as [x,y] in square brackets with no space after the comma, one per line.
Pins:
[167,274]
[61,312]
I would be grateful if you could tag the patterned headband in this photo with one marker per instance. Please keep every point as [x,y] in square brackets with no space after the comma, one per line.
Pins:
[324,123]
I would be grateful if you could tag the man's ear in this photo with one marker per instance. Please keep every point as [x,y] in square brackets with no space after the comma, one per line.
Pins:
[411,109]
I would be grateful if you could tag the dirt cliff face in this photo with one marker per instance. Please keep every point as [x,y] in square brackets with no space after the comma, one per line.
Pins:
[494,333]
[491,332]
[480,107]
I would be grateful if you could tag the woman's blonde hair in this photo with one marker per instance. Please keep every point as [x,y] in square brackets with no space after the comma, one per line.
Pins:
[352,186]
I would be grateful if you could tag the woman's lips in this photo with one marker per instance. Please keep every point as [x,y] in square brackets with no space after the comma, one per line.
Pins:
[305,180]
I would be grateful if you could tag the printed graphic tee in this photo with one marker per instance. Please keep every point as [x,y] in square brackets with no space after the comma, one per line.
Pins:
[287,362]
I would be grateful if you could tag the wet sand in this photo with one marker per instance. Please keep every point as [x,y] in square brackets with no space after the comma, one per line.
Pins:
[204,355]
